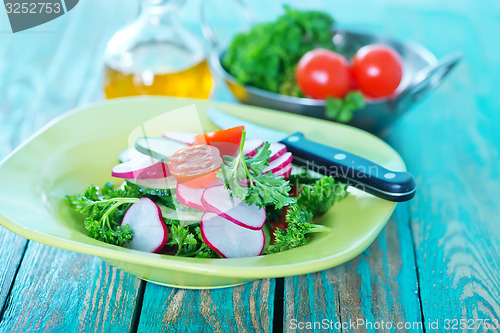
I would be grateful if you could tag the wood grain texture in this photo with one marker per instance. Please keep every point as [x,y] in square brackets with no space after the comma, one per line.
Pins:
[244,308]
[451,143]
[11,254]
[48,72]
[61,291]
[380,285]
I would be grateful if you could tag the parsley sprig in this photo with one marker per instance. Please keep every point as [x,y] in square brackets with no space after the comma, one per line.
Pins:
[314,199]
[188,241]
[342,109]
[300,224]
[104,209]
[243,176]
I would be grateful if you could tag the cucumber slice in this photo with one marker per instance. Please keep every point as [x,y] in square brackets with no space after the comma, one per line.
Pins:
[184,217]
[167,183]
[158,148]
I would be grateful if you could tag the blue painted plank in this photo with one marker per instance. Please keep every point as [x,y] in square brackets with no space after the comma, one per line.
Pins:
[60,291]
[47,72]
[244,308]
[451,143]
[11,254]
[379,286]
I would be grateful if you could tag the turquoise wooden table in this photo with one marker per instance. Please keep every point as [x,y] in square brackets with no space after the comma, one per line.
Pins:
[436,265]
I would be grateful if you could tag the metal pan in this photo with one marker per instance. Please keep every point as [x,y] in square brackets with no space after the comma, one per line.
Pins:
[422,72]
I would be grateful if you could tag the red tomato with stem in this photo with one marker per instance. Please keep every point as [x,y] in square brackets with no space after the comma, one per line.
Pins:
[323,73]
[195,166]
[227,141]
[377,70]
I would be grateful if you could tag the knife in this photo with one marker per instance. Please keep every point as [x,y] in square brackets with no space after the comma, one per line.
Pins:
[344,166]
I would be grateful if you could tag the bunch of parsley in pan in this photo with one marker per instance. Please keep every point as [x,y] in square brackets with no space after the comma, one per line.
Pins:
[266,57]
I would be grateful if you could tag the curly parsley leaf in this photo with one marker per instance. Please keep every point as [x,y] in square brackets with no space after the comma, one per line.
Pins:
[314,199]
[299,225]
[318,198]
[243,176]
[104,209]
[188,241]
[342,110]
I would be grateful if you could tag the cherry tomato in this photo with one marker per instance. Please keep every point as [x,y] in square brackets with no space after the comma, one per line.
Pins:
[323,73]
[227,141]
[377,70]
[195,166]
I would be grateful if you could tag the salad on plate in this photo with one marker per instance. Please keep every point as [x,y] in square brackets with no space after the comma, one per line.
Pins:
[207,195]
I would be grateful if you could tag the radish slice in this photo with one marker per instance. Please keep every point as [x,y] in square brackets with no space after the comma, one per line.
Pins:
[190,197]
[230,240]
[217,199]
[277,150]
[158,184]
[182,137]
[285,172]
[144,167]
[251,145]
[128,154]
[278,163]
[158,148]
[150,232]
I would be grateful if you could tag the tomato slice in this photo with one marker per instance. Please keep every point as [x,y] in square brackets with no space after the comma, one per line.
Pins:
[227,141]
[195,166]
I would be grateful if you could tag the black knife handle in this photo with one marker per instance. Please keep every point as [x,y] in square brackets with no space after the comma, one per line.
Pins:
[351,169]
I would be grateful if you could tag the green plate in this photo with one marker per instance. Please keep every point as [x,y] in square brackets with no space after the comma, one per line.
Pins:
[81,147]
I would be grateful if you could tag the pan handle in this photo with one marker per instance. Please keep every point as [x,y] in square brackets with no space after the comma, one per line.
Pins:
[207,30]
[425,80]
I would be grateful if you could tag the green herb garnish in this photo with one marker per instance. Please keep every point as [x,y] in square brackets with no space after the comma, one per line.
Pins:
[104,209]
[314,199]
[188,241]
[243,176]
[342,109]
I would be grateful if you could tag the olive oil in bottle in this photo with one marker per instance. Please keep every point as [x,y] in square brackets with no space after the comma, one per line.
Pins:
[155,55]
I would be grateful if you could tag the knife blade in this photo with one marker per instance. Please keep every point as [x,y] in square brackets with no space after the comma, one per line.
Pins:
[352,169]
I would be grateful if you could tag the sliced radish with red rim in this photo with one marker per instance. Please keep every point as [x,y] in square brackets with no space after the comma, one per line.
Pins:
[229,239]
[150,232]
[250,146]
[218,200]
[144,167]
[277,150]
[278,163]
[190,197]
[285,171]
